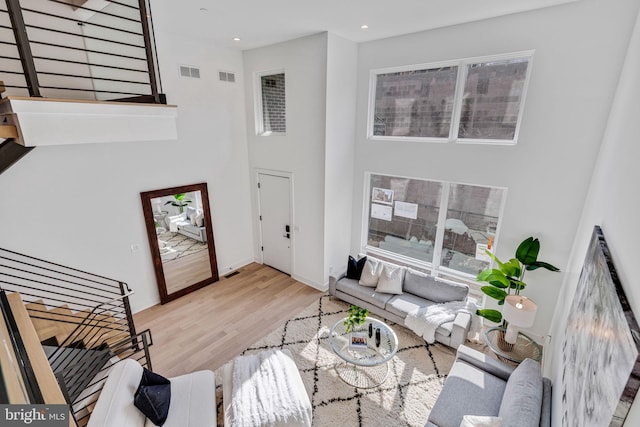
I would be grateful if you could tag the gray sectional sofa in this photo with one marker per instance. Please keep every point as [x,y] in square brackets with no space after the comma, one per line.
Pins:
[418,290]
[482,386]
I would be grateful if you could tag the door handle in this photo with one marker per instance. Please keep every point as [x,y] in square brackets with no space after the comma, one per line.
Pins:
[287,231]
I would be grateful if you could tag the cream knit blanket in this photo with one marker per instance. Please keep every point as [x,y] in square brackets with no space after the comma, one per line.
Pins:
[268,391]
[424,321]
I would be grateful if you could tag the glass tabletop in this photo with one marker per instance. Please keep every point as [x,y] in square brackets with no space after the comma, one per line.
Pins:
[523,348]
[358,348]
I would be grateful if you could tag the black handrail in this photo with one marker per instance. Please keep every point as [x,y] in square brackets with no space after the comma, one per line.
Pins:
[34,394]
[37,279]
[98,309]
[113,29]
[24,48]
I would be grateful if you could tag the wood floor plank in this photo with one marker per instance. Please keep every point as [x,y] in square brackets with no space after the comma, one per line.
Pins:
[207,328]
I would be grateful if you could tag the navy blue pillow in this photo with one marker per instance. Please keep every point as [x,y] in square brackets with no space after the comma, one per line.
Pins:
[153,397]
[354,268]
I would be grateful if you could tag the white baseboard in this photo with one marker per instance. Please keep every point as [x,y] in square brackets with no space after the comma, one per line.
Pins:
[236,265]
[323,287]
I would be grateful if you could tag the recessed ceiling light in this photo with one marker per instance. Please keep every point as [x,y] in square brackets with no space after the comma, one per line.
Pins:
[364,27]
[236,39]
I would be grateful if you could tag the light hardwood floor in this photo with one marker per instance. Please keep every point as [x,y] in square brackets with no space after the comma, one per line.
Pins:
[208,327]
[187,270]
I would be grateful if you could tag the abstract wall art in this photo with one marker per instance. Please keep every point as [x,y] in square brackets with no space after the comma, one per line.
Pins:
[601,363]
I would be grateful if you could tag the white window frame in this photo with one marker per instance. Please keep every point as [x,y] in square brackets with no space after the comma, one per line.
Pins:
[257,101]
[462,65]
[433,268]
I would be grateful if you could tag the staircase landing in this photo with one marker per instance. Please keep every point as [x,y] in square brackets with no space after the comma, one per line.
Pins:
[48,121]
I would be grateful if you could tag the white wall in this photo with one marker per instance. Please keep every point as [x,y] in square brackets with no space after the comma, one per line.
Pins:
[613,204]
[339,151]
[579,48]
[301,150]
[79,205]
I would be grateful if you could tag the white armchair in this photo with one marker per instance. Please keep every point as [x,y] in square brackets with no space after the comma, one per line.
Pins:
[192,399]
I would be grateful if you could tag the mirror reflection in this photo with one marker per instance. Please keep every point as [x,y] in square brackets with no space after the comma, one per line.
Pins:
[181,239]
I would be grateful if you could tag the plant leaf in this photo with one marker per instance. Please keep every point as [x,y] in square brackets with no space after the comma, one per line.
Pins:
[494,277]
[490,314]
[512,268]
[494,292]
[493,257]
[542,264]
[527,252]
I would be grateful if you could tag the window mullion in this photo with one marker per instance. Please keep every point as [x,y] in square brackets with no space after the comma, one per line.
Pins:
[457,103]
[442,218]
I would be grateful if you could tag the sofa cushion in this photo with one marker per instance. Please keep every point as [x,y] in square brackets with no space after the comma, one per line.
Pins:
[371,272]
[351,287]
[192,401]
[523,396]
[401,305]
[423,285]
[115,403]
[467,391]
[354,267]
[391,278]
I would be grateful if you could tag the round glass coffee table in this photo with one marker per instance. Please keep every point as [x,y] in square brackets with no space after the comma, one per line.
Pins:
[364,363]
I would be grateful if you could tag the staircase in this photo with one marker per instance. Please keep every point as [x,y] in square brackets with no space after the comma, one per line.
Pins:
[10,150]
[82,321]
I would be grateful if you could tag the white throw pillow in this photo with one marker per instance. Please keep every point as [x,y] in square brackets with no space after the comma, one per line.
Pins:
[480,421]
[200,218]
[370,273]
[391,278]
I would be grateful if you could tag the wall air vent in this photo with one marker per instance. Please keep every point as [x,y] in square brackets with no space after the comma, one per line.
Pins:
[186,71]
[226,76]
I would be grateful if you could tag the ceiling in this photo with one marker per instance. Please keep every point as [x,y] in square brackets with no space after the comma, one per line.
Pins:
[260,23]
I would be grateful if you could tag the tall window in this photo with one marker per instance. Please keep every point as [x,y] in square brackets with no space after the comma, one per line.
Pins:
[436,225]
[473,100]
[271,109]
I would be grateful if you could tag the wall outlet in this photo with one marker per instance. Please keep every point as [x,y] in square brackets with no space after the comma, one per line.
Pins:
[135,248]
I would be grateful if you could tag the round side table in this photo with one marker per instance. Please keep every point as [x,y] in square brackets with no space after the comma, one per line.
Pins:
[523,348]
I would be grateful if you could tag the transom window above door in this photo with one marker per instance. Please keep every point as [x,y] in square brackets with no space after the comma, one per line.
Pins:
[478,100]
[270,103]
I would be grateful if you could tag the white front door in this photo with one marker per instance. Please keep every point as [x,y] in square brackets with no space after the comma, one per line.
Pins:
[275,221]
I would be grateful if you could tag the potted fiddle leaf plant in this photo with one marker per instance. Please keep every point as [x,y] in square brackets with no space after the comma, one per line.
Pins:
[508,278]
[179,201]
[357,316]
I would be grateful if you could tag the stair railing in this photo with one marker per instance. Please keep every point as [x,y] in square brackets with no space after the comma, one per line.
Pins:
[57,49]
[93,312]
[43,284]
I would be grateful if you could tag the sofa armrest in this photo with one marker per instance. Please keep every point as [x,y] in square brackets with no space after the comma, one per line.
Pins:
[332,282]
[460,330]
[545,410]
[484,362]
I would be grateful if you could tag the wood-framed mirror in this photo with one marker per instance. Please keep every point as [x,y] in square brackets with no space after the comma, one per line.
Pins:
[180,233]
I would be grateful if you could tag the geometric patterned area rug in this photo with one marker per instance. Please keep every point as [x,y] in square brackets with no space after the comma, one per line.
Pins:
[416,373]
[175,245]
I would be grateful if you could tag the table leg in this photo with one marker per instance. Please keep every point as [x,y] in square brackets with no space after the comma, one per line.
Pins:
[362,376]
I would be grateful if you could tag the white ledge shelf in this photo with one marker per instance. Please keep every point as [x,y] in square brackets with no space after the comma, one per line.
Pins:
[47,121]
